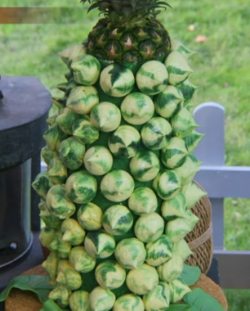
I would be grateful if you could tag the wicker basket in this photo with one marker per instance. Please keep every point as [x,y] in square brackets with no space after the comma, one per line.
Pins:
[200,240]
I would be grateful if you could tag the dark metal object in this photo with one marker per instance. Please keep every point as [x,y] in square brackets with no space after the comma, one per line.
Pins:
[213,272]
[23,113]
[23,116]
[1,93]
[15,233]
[35,199]
[31,259]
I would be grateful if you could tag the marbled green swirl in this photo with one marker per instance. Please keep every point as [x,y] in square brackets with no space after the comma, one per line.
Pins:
[182,249]
[109,274]
[82,99]
[98,160]
[61,294]
[50,265]
[169,102]
[42,184]
[188,169]
[57,171]
[130,253]
[178,46]
[171,269]
[143,201]
[79,301]
[193,140]
[117,80]
[183,123]
[81,187]
[71,151]
[71,53]
[177,290]
[101,299]
[46,236]
[86,69]
[167,184]
[137,108]
[142,280]
[125,141]
[89,216]
[72,232]
[144,166]
[149,227]
[105,116]
[174,154]
[85,131]
[67,275]
[53,137]
[187,88]
[156,133]
[159,251]
[173,208]
[50,220]
[177,67]
[178,228]
[58,203]
[62,248]
[158,299]
[66,119]
[128,302]
[117,185]
[81,260]
[193,193]
[152,77]
[99,244]
[117,219]
[47,154]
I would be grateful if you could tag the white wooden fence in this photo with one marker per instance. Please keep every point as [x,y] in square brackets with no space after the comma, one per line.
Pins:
[221,182]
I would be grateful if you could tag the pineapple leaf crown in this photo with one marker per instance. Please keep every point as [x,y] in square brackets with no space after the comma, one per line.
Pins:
[117,9]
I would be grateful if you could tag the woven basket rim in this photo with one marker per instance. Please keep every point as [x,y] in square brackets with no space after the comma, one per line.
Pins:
[205,236]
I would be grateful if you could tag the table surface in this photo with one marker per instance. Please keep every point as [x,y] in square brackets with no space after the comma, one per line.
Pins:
[25,100]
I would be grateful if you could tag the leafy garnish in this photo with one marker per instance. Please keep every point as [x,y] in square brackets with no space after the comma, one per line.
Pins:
[50,305]
[178,307]
[38,284]
[190,275]
[202,301]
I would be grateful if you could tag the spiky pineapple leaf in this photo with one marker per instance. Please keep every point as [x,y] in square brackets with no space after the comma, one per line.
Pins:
[127,8]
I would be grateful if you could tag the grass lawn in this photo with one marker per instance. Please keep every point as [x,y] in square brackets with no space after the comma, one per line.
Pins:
[221,70]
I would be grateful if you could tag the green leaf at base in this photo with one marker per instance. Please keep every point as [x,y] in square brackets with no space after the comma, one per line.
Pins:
[38,284]
[179,307]
[50,305]
[202,301]
[190,275]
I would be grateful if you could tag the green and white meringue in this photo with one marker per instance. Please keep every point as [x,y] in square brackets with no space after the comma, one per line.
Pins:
[130,253]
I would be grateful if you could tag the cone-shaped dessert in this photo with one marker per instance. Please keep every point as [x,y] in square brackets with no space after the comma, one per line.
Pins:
[120,158]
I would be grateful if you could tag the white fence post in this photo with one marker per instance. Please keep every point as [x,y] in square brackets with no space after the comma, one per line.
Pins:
[221,181]
[211,151]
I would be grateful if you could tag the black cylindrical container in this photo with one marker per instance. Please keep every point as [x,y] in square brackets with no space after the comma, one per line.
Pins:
[23,112]
[15,224]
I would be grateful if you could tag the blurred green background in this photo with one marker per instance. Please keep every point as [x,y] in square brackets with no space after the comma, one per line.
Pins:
[221,72]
